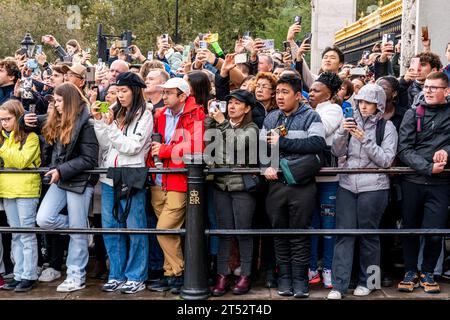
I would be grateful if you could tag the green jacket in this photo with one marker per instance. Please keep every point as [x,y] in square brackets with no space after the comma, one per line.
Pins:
[242,145]
[20,185]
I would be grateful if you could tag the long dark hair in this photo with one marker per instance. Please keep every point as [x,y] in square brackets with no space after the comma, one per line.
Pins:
[201,87]
[138,106]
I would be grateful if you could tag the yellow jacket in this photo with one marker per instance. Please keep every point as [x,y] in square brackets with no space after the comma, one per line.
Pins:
[20,185]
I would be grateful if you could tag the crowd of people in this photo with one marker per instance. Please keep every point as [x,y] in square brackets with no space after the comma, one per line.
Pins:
[71,115]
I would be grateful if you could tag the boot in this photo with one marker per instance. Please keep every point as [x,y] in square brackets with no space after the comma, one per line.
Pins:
[222,284]
[242,285]
[285,280]
[300,281]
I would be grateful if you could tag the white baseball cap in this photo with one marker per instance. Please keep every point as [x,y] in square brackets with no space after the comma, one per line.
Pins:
[177,83]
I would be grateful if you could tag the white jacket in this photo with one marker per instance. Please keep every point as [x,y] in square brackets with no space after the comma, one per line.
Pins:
[331,116]
[126,147]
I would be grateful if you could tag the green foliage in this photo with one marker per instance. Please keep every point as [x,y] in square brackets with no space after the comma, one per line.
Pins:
[148,19]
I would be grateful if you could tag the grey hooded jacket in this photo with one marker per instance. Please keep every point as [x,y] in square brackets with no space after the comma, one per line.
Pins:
[366,153]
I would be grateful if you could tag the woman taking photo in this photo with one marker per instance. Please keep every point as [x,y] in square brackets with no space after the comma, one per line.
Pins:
[20,193]
[234,204]
[70,136]
[361,198]
[124,134]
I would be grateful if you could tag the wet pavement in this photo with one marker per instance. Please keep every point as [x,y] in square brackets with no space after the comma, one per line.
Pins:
[47,291]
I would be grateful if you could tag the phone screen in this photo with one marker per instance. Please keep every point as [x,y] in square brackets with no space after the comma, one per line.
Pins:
[240,58]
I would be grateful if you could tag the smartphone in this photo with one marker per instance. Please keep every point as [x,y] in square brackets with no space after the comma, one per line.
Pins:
[366,54]
[246,35]
[87,50]
[220,105]
[32,64]
[298,20]
[165,37]
[90,74]
[32,108]
[186,51]
[121,43]
[348,113]
[308,37]
[203,44]
[240,58]
[425,33]
[150,55]
[200,36]
[415,64]
[269,44]
[287,46]
[67,59]
[389,38]
[39,49]
[103,107]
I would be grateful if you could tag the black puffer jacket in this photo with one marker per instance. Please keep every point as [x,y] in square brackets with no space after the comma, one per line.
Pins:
[416,149]
[79,155]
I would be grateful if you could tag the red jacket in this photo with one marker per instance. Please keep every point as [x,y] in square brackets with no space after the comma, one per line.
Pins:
[186,139]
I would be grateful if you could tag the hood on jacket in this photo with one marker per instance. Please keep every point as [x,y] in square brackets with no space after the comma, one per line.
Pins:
[372,93]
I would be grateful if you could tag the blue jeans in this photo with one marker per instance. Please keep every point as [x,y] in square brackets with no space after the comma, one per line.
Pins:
[125,264]
[48,217]
[21,213]
[324,217]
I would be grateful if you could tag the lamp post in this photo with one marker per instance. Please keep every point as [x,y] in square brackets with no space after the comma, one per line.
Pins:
[177,36]
[28,44]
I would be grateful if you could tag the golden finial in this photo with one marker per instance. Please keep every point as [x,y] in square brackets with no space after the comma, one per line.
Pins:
[380,3]
[361,15]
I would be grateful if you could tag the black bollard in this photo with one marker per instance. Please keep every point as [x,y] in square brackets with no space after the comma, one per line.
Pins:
[195,266]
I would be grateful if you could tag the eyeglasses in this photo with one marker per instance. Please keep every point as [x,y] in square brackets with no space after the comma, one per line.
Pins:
[432,89]
[5,119]
[264,86]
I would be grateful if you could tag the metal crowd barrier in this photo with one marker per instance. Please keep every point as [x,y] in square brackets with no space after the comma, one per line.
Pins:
[195,252]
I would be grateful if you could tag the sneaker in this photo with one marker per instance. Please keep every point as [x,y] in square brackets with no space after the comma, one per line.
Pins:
[428,284]
[326,275]
[132,287]
[409,282]
[8,276]
[2,282]
[314,276]
[361,291]
[165,284]
[11,285]
[334,295]
[25,285]
[49,275]
[112,285]
[70,285]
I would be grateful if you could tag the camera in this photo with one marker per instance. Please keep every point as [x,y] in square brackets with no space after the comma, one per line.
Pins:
[220,105]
